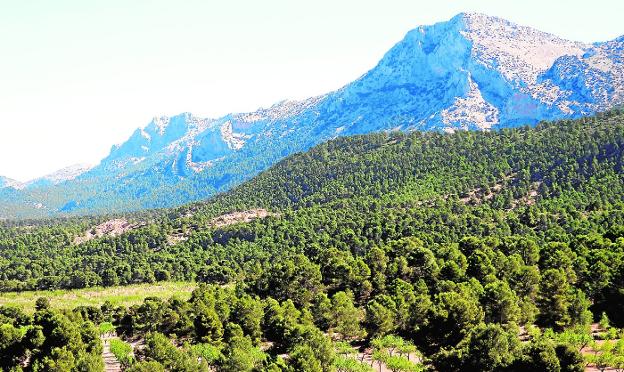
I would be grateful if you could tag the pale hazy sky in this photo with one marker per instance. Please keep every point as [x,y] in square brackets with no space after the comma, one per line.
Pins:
[77,76]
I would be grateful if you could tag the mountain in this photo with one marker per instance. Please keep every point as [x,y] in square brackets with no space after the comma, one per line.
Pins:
[512,205]
[59,176]
[473,72]
[452,242]
[14,199]
[8,182]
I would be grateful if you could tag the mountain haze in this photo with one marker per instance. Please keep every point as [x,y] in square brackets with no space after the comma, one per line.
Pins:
[473,72]
[8,182]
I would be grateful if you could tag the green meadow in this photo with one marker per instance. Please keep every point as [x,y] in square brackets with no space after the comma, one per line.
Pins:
[123,295]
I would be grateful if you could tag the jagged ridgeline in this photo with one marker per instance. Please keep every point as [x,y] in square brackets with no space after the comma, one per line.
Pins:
[450,241]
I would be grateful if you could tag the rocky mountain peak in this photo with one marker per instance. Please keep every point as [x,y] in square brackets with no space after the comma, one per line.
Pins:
[520,53]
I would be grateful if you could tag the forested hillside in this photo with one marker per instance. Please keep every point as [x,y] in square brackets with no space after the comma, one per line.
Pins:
[480,250]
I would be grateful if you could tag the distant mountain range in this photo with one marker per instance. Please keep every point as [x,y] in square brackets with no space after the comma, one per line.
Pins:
[54,178]
[473,72]
[8,182]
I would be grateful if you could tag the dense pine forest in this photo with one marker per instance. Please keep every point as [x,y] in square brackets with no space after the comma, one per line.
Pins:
[470,251]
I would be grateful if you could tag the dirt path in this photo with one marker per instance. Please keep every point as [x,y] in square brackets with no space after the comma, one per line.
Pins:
[111,364]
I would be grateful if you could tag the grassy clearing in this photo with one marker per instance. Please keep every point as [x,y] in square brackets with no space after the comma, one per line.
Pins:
[127,295]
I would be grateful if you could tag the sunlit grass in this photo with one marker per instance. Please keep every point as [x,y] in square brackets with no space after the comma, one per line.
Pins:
[126,295]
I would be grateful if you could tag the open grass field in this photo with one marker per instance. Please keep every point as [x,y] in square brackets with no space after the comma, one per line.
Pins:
[127,295]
